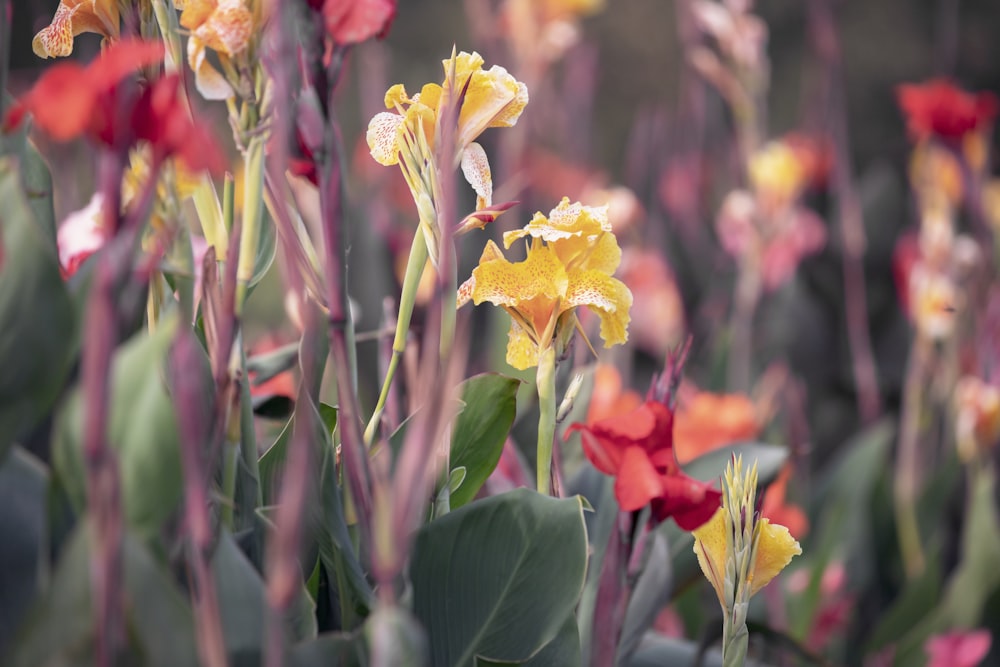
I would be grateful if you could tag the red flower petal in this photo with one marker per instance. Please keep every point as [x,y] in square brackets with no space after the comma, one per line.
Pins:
[691,503]
[637,482]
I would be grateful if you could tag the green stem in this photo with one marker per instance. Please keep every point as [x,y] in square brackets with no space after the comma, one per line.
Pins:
[230,462]
[411,280]
[735,642]
[253,209]
[545,381]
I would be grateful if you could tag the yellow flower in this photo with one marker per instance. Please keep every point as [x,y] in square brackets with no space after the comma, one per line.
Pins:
[777,175]
[571,258]
[73,17]
[493,98]
[226,27]
[734,532]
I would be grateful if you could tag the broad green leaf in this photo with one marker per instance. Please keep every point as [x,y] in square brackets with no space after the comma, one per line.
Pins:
[37,320]
[23,496]
[497,578]
[711,465]
[60,628]
[481,430]
[142,426]
[563,650]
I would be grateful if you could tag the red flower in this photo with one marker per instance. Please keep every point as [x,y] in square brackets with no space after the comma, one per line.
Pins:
[70,101]
[938,108]
[353,21]
[637,448]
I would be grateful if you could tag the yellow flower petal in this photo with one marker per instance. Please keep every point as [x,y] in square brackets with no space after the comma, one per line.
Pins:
[606,296]
[504,283]
[225,26]
[209,82]
[73,17]
[522,352]
[710,548]
[396,96]
[381,136]
[487,97]
[507,117]
[774,552]
[476,168]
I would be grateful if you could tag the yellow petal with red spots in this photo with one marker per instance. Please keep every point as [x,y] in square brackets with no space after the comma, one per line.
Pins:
[522,352]
[608,297]
[381,136]
[476,169]
[72,18]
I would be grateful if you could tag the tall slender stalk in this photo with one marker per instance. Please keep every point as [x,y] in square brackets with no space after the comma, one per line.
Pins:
[545,381]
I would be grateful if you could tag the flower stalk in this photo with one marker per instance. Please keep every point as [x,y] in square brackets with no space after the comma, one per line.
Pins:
[545,381]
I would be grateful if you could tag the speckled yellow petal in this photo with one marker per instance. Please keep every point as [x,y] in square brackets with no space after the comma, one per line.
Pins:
[522,352]
[73,17]
[605,255]
[606,296]
[228,29]
[774,552]
[382,132]
[209,82]
[476,168]
[710,548]
[503,283]
[565,221]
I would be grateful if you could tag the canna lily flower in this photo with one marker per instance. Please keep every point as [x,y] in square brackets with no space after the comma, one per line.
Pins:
[224,26]
[637,449]
[70,101]
[940,109]
[571,258]
[739,551]
[73,17]
[492,98]
[708,421]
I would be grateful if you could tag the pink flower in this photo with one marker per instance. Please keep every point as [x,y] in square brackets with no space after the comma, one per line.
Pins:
[958,649]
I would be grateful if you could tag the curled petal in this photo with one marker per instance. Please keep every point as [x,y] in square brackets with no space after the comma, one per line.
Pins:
[476,168]
[382,132]
[209,82]
[487,97]
[73,17]
[606,296]
[774,552]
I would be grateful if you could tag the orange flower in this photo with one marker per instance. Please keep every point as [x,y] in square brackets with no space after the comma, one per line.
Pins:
[776,509]
[658,310]
[709,421]
[73,17]
[608,399]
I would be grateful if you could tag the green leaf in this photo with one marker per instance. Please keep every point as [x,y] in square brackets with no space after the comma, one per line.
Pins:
[142,426]
[497,578]
[977,575]
[23,496]
[37,320]
[563,650]
[711,465]
[650,594]
[60,629]
[481,430]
